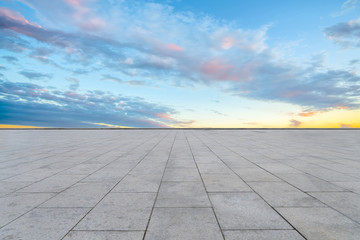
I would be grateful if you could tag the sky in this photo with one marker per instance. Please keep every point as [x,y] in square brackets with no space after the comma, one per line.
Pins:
[180,63]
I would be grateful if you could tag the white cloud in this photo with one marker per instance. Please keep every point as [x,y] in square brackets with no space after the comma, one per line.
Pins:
[346,7]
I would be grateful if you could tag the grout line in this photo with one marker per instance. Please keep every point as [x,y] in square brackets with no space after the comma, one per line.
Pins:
[289,183]
[115,185]
[63,189]
[157,193]
[108,230]
[252,189]
[60,172]
[207,194]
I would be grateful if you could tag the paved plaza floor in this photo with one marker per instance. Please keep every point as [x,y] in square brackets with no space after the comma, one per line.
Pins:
[180,184]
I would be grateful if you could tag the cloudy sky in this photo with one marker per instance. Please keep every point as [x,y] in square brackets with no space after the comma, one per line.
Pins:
[180,63]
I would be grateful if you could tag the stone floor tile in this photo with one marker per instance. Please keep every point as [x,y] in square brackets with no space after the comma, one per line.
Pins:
[120,211]
[105,235]
[43,224]
[108,174]
[183,223]
[351,186]
[9,187]
[245,211]
[83,169]
[308,183]
[181,174]
[80,195]
[347,203]
[180,163]
[139,183]
[321,223]
[255,175]
[263,235]
[281,194]
[214,168]
[55,183]
[14,205]
[182,194]
[224,183]
[32,176]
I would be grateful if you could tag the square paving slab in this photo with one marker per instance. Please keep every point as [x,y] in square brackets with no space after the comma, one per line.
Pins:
[179,184]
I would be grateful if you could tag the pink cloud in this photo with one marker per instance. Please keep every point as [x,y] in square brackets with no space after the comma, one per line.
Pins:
[92,24]
[16,17]
[84,16]
[294,123]
[227,42]
[218,70]
[174,47]
[74,3]
[75,95]
[291,94]
[164,116]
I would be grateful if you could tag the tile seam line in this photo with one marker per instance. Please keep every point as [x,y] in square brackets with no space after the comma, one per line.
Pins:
[38,206]
[107,230]
[316,164]
[306,192]
[253,189]
[50,164]
[356,222]
[73,147]
[202,180]
[157,193]
[116,184]
[72,174]
[259,229]
[332,161]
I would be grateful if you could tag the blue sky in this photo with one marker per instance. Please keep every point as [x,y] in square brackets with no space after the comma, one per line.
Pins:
[88,63]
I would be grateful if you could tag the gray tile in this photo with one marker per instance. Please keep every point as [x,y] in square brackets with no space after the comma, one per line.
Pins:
[263,235]
[255,174]
[180,163]
[55,183]
[347,203]
[120,211]
[108,174]
[321,223]
[278,168]
[182,194]
[281,194]
[183,223]
[33,175]
[149,168]
[43,224]
[9,187]
[351,186]
[329,175]
[308,183]
[245,211]
[80,195]
[181,174]
[105,235]
[16,204]
[224,183]
[83,169]
[139,183]
[212,168]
